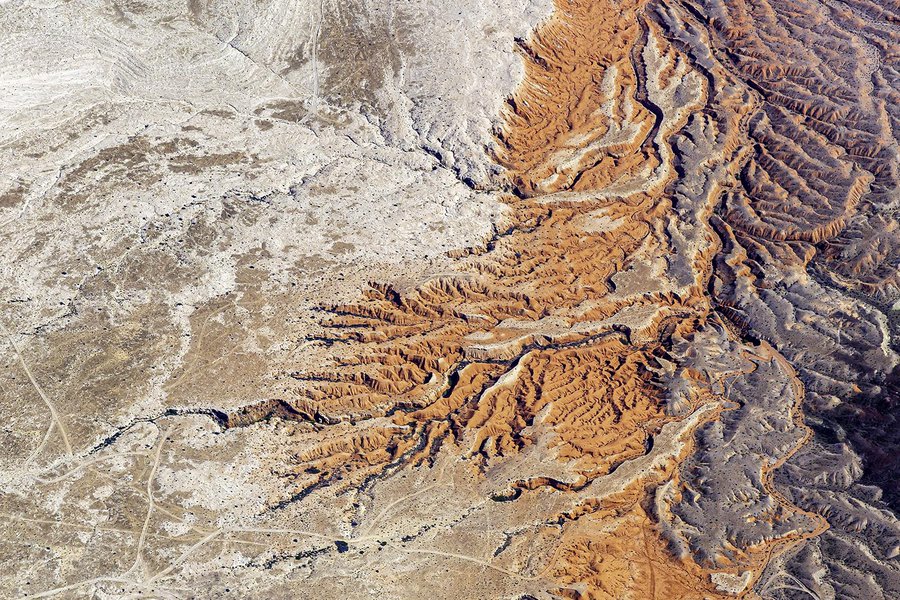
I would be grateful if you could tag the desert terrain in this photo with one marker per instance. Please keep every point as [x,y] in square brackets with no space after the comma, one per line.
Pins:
[513,299]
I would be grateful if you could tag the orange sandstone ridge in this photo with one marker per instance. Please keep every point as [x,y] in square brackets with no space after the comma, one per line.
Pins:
[670,371]
[573,331]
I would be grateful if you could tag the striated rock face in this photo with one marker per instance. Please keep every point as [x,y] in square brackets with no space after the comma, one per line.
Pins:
[487,299]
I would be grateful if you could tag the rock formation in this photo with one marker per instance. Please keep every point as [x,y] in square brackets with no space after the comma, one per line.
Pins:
[495,299]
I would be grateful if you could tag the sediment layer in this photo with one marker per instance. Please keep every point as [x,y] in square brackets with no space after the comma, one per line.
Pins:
[665,365]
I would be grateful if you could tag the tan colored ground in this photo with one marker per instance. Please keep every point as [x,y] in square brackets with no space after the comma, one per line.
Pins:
[487,299]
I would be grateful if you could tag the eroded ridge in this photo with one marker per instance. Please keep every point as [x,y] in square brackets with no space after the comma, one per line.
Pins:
[690,181]
[487,356]
[669,369]
[809,263]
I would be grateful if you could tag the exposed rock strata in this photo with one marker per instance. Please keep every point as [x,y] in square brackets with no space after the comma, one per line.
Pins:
[648,350]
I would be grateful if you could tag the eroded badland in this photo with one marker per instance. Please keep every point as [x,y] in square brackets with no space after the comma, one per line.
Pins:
[483,299]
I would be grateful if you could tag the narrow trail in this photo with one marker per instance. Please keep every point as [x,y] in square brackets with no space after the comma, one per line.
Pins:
[56,421]
[151,502]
